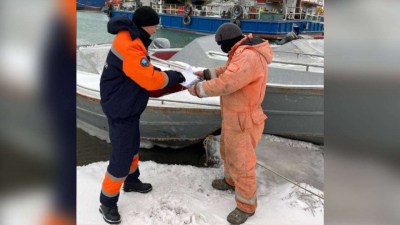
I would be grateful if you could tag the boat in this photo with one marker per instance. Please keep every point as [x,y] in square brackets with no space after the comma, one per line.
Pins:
[294,99]
[93,5]
[268,19]
[167,121]
[173,118]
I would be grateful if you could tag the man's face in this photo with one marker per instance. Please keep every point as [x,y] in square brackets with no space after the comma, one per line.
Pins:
[150,29]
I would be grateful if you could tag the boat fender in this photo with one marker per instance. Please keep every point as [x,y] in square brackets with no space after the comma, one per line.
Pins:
[188,9]
[186,20]
[237,11]
[236,21]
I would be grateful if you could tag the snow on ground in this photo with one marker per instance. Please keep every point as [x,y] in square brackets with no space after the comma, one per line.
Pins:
[183,194]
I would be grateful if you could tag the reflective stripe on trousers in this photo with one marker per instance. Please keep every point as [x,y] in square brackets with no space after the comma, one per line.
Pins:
[251,201]
[112,185]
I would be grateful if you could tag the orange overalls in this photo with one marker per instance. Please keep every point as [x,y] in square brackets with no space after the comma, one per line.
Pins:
[241,85]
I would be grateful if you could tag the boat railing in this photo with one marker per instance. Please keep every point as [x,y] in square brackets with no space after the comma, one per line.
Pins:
[299,53]
[290,15]
[183,102]
[168,64]
[307,65]
[213,54]
[173,10]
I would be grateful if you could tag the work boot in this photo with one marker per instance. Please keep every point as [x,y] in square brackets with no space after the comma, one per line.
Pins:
[222,185]
[237,216]
[110,214]
[137,186]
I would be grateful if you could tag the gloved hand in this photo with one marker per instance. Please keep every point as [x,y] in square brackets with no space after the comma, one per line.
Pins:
[206,74]
[203,74]
[175,77]
[181,78]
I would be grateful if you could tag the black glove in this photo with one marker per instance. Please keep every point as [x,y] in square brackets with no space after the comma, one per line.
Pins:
[174,77]
[156,68]
[181,78]
[206,74]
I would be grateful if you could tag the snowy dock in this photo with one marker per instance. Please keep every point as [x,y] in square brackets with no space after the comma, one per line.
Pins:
[183,194]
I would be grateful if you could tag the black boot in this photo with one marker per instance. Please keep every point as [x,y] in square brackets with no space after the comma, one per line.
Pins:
[237,216]
[222,185]
[110,214]
[137,186]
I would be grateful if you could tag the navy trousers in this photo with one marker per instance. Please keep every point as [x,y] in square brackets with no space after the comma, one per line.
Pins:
[123,164]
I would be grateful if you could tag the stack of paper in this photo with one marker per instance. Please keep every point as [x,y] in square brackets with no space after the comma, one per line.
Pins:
[191,79]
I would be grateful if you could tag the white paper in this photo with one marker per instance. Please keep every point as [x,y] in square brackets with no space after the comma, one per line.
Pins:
[191,79]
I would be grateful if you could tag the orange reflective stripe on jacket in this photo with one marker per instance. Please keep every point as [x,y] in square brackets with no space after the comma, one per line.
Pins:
[133,54]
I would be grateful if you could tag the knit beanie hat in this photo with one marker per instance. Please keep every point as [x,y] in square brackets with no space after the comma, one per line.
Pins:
[145,16]
[227,31]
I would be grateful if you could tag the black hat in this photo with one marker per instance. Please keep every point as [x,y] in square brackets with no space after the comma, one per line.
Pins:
[145,16]
[227,31]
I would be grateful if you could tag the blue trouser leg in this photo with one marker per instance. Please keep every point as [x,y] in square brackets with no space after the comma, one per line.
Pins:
[125,140]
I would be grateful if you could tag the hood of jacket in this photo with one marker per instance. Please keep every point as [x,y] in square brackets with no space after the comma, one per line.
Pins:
[256,43]
[119,23]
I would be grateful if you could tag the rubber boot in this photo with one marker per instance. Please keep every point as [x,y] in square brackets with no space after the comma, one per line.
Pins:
[110,214]
[222,185]
[137,186]
[237,216]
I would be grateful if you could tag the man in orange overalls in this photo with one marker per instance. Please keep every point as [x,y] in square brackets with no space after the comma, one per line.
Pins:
[241,83]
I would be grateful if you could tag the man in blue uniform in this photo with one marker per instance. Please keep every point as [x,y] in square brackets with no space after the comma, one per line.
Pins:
[126,82]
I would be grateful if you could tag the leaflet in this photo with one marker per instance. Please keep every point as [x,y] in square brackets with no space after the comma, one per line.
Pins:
[191,79]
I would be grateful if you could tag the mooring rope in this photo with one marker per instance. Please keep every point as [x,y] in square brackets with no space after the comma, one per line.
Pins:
[287,179]
[206,141]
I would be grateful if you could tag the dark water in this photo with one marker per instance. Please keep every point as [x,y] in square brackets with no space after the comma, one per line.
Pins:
[92,29]
[91,149]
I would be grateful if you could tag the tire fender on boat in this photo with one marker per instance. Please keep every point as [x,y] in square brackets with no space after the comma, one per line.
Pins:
[186,20]
[188,9]
[237,11]
[236,21]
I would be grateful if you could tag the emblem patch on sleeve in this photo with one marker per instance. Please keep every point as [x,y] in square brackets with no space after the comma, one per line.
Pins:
[144,62]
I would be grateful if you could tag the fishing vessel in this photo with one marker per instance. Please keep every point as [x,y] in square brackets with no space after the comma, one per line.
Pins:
[270,19]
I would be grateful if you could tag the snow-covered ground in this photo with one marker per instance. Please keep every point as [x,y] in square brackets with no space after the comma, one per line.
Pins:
[183,194]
